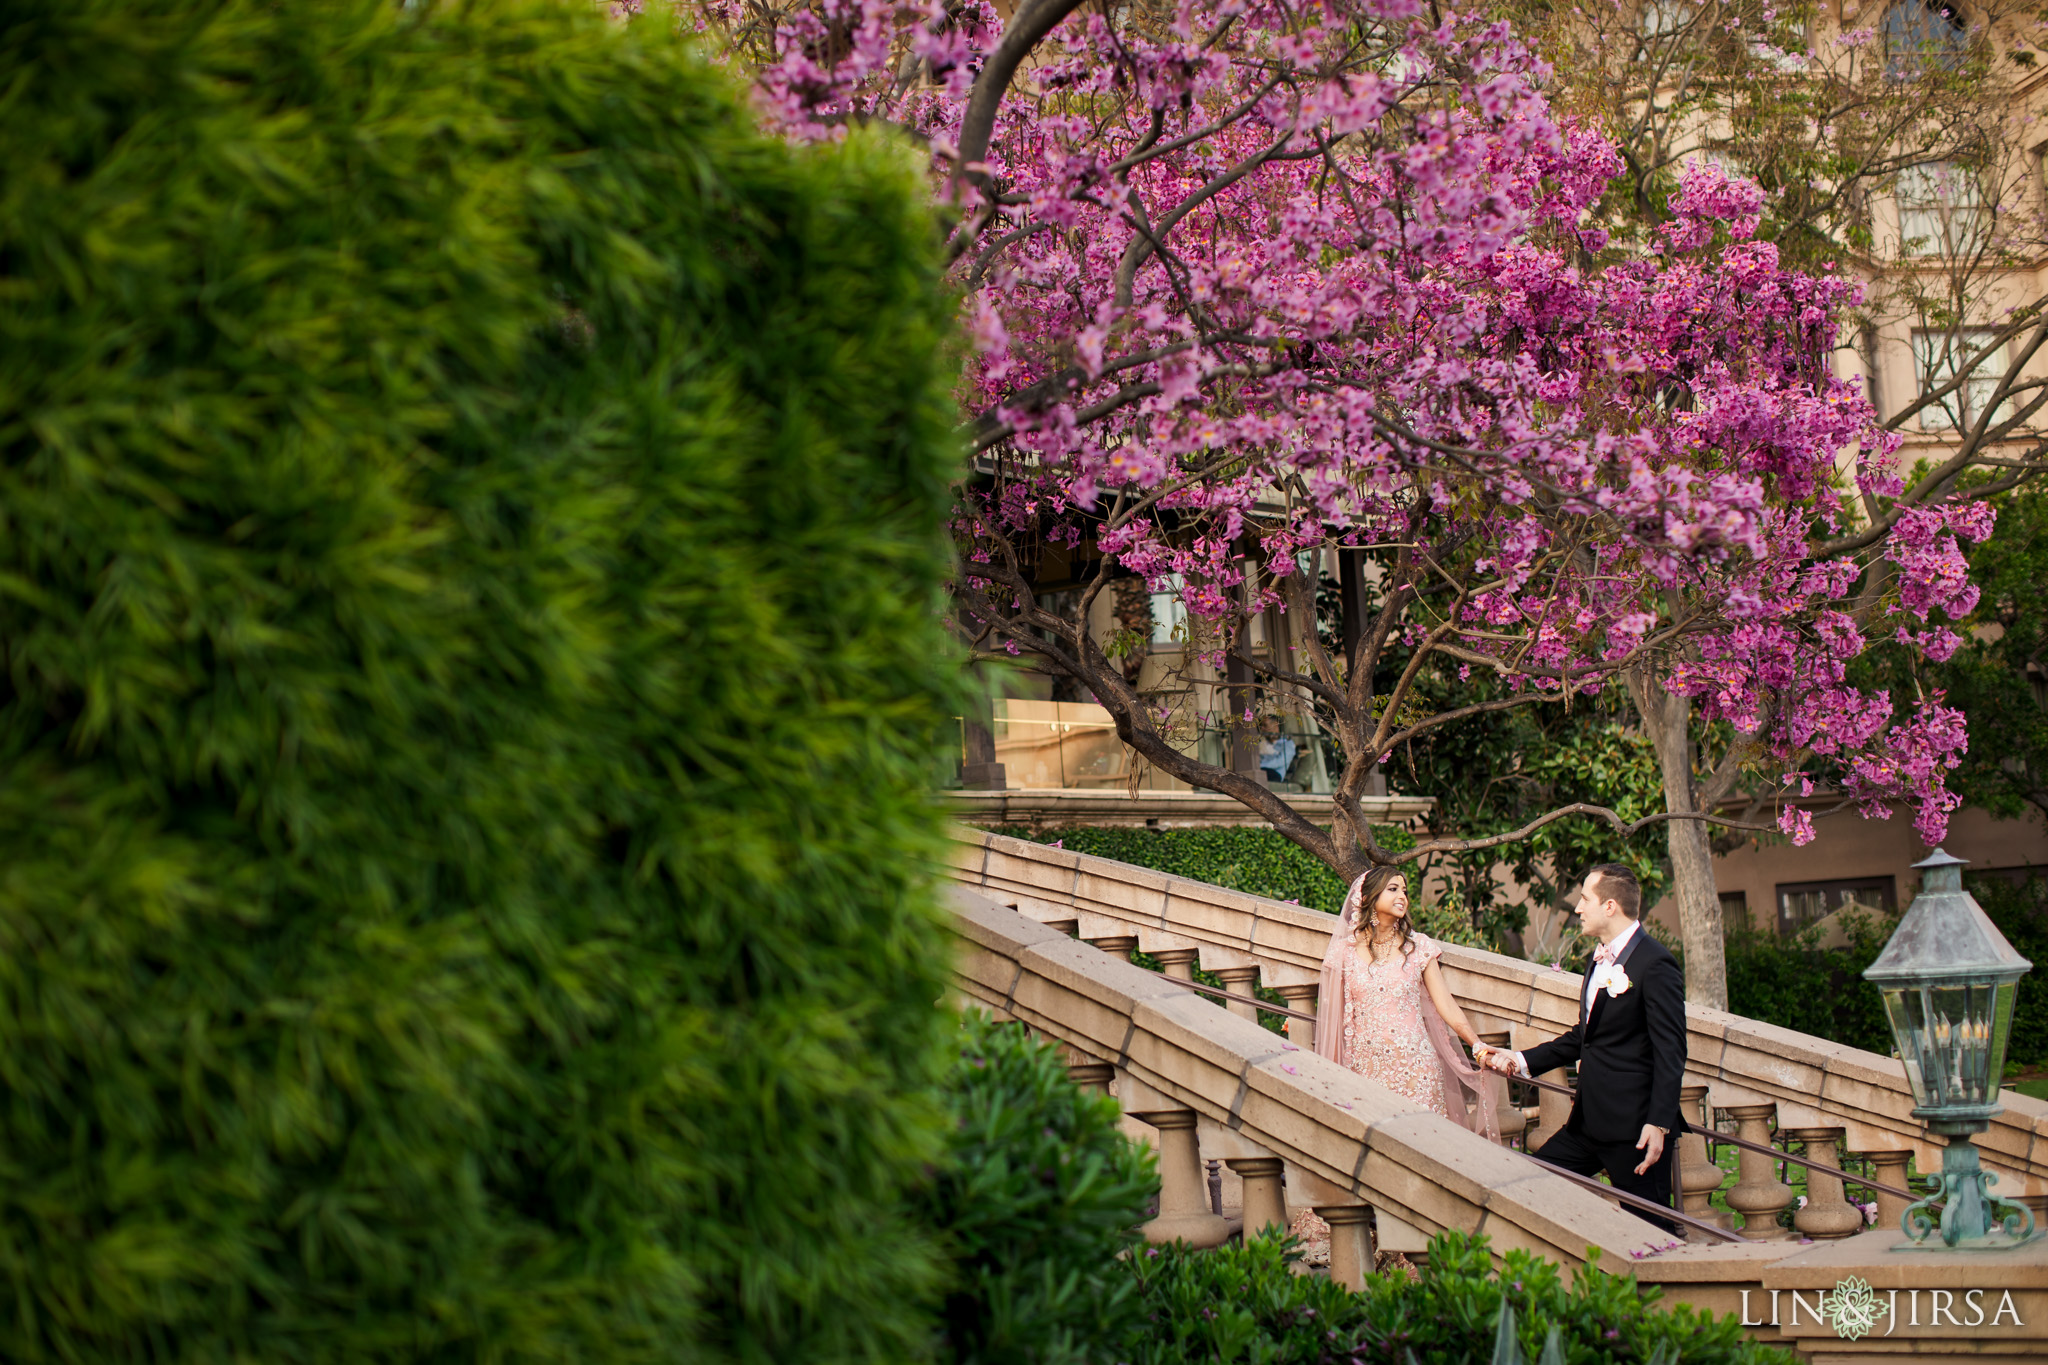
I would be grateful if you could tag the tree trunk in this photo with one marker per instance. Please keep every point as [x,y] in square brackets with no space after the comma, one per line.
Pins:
[1668,721]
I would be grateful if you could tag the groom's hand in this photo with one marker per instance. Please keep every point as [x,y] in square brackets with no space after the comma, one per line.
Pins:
[1651,1143]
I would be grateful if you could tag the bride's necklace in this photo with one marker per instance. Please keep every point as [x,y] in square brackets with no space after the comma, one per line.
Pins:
[1376,936]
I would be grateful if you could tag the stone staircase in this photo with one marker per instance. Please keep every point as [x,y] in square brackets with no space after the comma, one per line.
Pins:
[1046,937]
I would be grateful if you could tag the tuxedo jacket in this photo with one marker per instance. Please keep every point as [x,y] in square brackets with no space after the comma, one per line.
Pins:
[1630,1048]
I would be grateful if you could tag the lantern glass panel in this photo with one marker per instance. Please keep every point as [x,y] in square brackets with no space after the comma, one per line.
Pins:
[1907,1007]
[2001,1028]
[1946,1038]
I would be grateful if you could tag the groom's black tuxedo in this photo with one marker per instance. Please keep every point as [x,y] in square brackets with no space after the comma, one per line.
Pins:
[1631,1054]
[1630,1048]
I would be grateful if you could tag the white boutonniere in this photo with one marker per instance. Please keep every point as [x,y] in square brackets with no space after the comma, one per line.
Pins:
[1618,982]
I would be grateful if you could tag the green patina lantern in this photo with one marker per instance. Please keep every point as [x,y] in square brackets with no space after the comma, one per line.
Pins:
[1949,980]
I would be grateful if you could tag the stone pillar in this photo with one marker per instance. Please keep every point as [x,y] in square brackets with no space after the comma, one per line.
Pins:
[1264,1204]
[1827,1215]
[1178,963]
[1301,1032]
[1758,1194]
[1184,1214]
[1513,1122]
[1350,1242]
[1092,1076]
[1698,1176]
[1119,946]
[1889,1168]
[1552,1109]
[1242,981]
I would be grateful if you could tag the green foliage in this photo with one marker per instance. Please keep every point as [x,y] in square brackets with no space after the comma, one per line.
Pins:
[1037,1199]
[1244,1304]
[2021,914]
[470,561]
[1454,1313]
[1239,1302]
[1995,678]
[1797,984]
[1260,862]
[1800,985]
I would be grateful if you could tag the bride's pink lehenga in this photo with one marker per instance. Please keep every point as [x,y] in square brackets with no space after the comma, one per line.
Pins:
[1388,1030]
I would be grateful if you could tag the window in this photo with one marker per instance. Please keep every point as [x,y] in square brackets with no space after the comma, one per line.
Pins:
[1938,357]
[1734,911]
[1923,34]
[1663,18]
[1170,613]
[1941,210]
[1801,903]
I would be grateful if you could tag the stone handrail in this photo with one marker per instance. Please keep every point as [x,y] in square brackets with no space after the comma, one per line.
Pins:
[1357,1141]
[1814,1083]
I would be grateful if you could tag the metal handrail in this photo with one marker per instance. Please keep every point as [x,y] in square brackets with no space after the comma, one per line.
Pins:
[1661,1210]
[1717,1136]
[1848,1176]
[1233,995]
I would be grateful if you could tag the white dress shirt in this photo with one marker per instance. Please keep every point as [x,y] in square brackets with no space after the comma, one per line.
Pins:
[1596,979]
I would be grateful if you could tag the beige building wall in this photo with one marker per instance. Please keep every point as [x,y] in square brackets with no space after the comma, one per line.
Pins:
[1848,848]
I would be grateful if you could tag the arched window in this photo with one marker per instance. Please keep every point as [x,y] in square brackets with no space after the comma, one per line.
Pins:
[1923,33]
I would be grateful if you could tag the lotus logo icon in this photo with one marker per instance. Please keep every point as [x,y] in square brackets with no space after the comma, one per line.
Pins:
[1853,1309]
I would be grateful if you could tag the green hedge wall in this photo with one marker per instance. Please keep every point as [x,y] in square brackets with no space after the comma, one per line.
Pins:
[1259,861]
[470,565]
[1262,862]
[1822,991]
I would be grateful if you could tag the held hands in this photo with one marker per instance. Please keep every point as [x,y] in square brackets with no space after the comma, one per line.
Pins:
[1500,1060]
[1652,1140]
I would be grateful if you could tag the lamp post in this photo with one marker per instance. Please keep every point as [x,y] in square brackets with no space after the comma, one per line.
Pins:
[1949,979]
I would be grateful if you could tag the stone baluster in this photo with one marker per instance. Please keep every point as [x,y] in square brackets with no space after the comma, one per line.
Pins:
[1889,1168]
[1758,1193]
[1240,981]
[1117,945]
[1184,1214]
[1092,1076]
[1552,1108]
[1513,1122]
[1070,927]
[1264,1203]
[1828,1214]
[1698,1176]
[1301,1032]
[1178,963]
[1350,1242]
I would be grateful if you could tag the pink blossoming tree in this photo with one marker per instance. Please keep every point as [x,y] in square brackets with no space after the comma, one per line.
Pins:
[1247,282]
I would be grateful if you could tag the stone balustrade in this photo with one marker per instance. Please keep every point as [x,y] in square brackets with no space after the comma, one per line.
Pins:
[1800,1081]
[1181,1063]
[1202,1083]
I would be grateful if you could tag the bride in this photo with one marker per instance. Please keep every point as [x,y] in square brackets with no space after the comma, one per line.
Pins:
[1386,1012]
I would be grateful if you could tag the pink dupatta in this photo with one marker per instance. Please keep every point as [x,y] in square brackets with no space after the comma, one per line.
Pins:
[1472,1095]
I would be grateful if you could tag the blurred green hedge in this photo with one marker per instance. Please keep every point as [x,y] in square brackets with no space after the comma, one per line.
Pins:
[470,565]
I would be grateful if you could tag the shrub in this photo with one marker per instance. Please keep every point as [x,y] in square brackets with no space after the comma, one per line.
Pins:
[469,591]
[1039,1195]
[1799,985]
[1259,862]
[1244,1304]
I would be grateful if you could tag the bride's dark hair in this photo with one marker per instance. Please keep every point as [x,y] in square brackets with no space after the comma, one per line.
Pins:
[1369,896]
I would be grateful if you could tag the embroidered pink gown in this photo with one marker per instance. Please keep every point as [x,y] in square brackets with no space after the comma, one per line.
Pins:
[1384,1041]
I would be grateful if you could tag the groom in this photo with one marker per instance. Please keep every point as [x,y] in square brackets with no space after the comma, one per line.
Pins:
[1629,1044]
